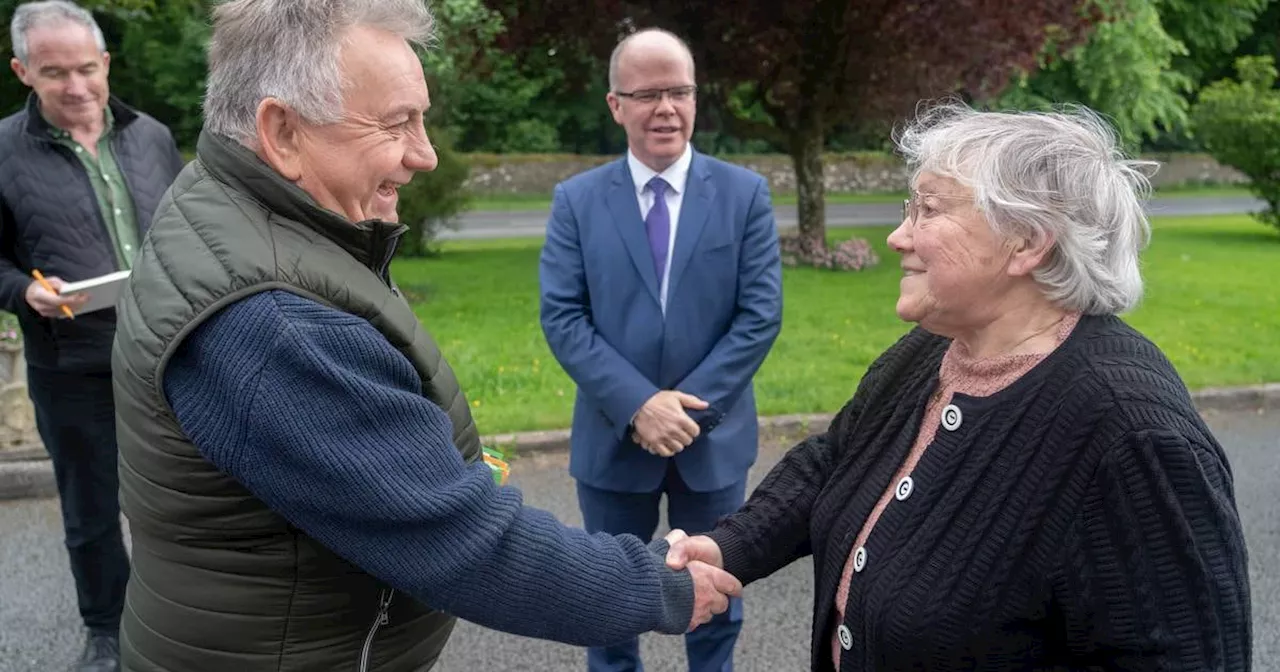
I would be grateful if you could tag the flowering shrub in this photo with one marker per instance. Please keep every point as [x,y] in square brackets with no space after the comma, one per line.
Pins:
[854,254]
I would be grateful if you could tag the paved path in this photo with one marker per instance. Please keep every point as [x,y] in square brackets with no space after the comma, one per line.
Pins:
[38,625]
[533,223]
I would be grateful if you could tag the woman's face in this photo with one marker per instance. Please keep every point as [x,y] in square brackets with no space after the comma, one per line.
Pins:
[955,268]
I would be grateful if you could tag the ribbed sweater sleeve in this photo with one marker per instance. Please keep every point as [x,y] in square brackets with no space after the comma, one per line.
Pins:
[771,530]
[1151,576]
[317,415]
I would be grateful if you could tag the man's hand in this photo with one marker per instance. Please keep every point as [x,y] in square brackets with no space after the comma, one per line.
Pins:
[49,304]
[685,549]
[711,584]
[712,588]
[662,426]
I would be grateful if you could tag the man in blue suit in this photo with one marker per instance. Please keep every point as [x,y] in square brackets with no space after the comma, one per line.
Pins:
[661,296]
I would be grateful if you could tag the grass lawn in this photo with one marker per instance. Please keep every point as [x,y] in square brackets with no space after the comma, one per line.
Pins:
[540,202]
[1212,304]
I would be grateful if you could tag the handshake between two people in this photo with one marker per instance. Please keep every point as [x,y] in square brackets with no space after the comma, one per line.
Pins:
[663,426]
[712,586]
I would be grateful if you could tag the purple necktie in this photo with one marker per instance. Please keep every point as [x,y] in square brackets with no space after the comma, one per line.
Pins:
[658,226]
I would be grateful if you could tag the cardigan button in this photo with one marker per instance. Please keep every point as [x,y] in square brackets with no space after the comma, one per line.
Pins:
[860,558]
[905,486]
[846,637]
[952,417]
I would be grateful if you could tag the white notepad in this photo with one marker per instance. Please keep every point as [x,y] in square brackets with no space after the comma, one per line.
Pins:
[102,290]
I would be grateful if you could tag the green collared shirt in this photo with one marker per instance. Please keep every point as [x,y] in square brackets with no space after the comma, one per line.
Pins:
[114,200]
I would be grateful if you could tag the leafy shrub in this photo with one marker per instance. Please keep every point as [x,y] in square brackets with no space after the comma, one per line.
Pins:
[531,135]
[1239,123]
[432,201]
[854,254]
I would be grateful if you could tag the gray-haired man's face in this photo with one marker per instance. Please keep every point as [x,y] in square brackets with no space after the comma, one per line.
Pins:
[68,72]
[355,166]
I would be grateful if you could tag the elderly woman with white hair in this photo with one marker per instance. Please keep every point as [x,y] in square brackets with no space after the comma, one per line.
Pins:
[1021,482]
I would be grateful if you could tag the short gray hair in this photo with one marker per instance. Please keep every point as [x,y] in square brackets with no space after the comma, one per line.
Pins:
[289,50]
[46,13]
[1056,174]
[616,56]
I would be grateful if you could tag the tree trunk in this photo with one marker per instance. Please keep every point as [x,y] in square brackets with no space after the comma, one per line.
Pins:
[806,156]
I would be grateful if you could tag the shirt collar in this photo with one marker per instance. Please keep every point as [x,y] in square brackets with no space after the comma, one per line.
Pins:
[58,133]
[676,175]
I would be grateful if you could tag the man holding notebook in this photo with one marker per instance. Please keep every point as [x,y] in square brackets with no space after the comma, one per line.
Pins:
[80,176]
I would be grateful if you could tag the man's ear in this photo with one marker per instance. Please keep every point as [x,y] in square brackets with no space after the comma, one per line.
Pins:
[615,106]
[20,70]
[279,138]
[1029,254]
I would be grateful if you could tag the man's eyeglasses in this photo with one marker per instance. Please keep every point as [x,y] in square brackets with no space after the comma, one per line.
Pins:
[911,206]
[677,94]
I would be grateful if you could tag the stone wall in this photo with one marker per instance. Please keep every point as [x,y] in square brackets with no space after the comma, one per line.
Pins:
[860,172]
[18,437]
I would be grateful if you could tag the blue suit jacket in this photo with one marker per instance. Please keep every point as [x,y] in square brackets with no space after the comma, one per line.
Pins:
[603,321]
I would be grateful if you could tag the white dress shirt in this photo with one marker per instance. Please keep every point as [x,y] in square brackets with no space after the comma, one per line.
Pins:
[676,175]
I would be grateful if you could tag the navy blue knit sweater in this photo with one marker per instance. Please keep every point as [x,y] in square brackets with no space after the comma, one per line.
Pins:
[316,414]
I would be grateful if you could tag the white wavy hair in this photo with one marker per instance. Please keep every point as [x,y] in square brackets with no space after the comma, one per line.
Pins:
[289,50]
[1057,174]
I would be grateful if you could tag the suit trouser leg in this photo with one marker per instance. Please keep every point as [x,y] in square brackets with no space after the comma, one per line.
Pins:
[618,513]
[75,415]
[710,646]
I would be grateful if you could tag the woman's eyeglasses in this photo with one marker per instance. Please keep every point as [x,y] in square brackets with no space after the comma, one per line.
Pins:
[911,206]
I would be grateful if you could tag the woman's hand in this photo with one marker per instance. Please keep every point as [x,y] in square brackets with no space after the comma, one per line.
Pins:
[685,549]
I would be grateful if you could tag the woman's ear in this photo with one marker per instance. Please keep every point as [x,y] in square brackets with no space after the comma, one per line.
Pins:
[1029,253]
[279,138]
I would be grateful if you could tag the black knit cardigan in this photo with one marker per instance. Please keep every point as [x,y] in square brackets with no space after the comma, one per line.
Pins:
[1083,518]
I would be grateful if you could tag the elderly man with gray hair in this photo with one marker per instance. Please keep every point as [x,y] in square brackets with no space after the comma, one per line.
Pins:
[81,173]
[298,463]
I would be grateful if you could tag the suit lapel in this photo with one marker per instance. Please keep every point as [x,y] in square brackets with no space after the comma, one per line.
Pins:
[625,209]
[694,210]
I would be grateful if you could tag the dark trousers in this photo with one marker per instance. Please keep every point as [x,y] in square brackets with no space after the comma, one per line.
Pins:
[710,647]
[75,414]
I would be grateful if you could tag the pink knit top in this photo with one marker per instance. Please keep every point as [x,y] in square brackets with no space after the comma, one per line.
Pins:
[959,372]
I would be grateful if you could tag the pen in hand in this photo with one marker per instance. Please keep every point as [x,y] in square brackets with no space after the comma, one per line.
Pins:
[45,283]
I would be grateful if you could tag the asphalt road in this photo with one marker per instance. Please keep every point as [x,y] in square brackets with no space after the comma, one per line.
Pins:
[39,626]
[533,223]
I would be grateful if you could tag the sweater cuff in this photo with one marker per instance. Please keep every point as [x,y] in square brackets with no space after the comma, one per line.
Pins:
[733,552]
[677,593]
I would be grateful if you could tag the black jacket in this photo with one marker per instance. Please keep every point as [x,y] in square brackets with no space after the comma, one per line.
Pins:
[50,220]
[1083,517]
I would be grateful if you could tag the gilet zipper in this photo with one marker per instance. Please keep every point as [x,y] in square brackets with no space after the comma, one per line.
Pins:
[384,604]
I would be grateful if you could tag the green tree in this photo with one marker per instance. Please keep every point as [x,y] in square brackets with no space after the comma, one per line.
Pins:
[491,101]
[161,64]
[1263,39]
[1239,123]
[1141,66]
[791,72]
